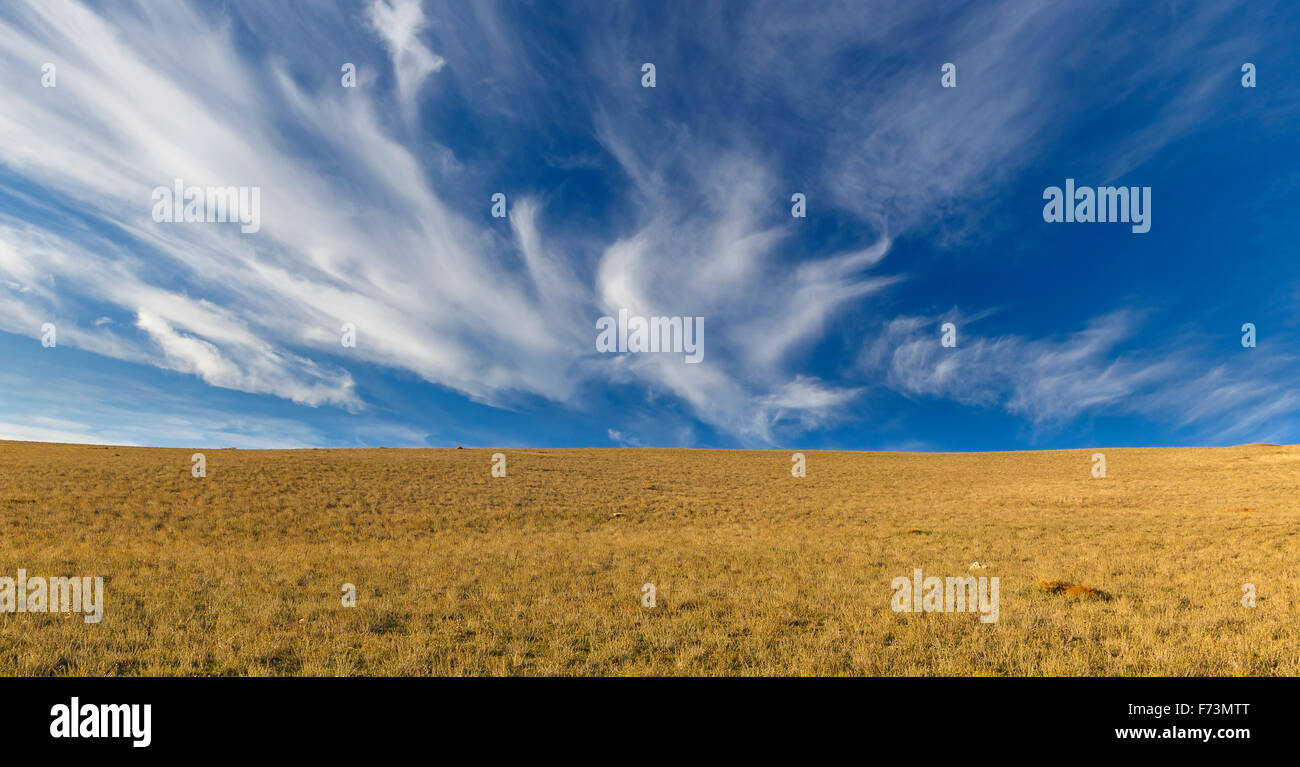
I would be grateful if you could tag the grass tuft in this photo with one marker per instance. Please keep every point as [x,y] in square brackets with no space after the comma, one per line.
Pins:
[1073,590]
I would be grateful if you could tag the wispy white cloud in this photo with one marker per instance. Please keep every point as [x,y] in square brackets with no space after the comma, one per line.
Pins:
[369,240]
[621,439]
[369,219]
[399,23]
[1051,381]
[368,243]
[1046,380]
[110,408]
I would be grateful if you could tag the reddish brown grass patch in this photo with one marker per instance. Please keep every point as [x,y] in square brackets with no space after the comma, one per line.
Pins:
[1073,590]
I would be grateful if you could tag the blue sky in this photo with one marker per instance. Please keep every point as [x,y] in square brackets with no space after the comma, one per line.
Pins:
[924,206]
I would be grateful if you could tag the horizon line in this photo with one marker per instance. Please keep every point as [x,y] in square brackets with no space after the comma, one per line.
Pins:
[107,445]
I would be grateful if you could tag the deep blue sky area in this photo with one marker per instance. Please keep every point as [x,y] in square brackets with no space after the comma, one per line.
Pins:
[376,134]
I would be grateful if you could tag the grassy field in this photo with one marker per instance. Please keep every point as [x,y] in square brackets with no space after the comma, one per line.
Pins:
[755,571]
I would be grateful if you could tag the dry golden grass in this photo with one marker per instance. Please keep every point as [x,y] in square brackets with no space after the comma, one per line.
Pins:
[757,572]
